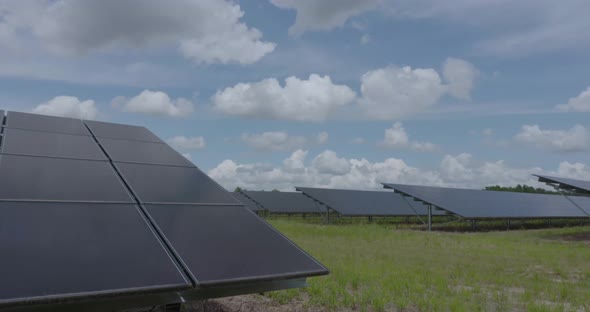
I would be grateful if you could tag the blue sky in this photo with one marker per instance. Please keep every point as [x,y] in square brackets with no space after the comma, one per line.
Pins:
[273,94]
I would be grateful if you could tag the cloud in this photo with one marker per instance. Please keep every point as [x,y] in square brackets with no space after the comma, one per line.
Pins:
[68,106]
[327,169]
[576,139]
[299,100]
[358,140]
[281,141]
[365,39]
[460,76]
[580,103]
[155,103]
[397,138]
[396,92]
[315,15]
[205,31]
[183,143]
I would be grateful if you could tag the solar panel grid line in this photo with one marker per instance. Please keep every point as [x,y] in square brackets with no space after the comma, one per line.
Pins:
[151,153]
[177,260]
[42,123]
[121,132]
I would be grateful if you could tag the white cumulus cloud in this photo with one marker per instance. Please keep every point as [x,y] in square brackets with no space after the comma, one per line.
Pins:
[68,106]
[575,139]
[313,99]
[155,103]
[396,137]
[313,15]
[580,103]
[183,143]
[281,141]
[460,76]
[327,169]
[205,31]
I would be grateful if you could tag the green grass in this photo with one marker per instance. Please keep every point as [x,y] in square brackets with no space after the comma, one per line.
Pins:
[380,267]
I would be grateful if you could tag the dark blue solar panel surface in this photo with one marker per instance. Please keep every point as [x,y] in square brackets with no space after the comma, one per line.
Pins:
[41,178]
[471,203]
[143,152]
[221,244]
[69,249]
[366,203]
[45,123]
[250,204]
[121,132]
[167,184]
[580,185]
[285,202]
[36,143]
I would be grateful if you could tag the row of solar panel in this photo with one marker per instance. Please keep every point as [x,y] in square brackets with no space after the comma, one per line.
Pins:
[97,209]
[411,200]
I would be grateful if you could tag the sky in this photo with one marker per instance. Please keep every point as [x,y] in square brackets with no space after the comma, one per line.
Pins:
[323,93]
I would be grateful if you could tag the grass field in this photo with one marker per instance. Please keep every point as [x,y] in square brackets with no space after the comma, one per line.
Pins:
[378,267]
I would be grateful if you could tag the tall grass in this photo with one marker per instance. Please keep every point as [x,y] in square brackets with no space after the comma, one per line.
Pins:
[376,267]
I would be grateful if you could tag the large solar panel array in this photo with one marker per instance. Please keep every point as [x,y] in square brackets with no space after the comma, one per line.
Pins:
[478,204]
[578,186]
[90,210]
[284,202]
[366,203]
[250,204]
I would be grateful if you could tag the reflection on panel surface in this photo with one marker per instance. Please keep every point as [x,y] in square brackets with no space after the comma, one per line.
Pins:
[121,132]
[143,152]
[221,244]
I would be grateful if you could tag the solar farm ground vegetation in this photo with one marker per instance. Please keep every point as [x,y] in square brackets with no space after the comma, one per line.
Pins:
[381,267]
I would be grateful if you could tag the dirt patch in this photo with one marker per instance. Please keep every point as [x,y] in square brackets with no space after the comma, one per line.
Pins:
[577,237]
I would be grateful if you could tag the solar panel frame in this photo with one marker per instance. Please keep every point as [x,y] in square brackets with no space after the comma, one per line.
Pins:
[108,130]
[209,270]
[143,152]
[31,178]
[579,186]
[50,144]
[364,203]
[79,251]
[284,202]
[483,204]
[44,123]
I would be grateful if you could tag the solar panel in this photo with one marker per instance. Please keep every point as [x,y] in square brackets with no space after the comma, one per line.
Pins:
[121,132]
[167,184]
[143,152]
[36,143]
[284,202]
[41,178]
[55,251]
[73,231]
[475,204]
[366,203]
[45,123]
[245,247]
[250,204]
[580,186]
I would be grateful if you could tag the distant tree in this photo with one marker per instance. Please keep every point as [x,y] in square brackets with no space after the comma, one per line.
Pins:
[275,190]
[238,189]
[519,189]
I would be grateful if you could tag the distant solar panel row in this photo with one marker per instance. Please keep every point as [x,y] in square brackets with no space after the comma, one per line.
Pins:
[250,204]
[366,203]
[578,186]
[284,202]
[479,204]
[91,209]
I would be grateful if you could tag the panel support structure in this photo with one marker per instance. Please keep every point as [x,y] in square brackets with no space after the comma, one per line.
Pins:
[429,218]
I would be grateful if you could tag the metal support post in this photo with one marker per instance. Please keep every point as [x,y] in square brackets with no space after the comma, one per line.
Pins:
[429,218]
